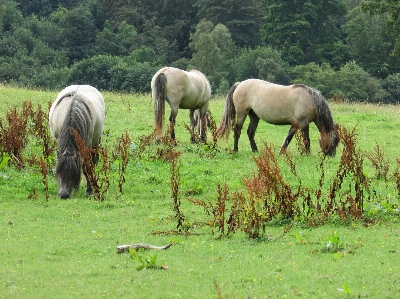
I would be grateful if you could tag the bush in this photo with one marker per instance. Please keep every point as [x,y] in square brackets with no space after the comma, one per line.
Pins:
[392,86]
[263,63]
[138,77]
[95,71]
[350,82]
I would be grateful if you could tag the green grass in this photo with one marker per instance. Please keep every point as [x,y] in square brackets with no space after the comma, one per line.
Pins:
[67,248]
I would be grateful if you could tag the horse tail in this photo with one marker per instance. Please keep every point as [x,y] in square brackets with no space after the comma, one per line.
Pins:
[79,118]
[228,118]
[159,103]
[324,120]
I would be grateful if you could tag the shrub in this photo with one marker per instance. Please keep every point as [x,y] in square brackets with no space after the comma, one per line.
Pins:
[350,82]
[392,86]
[263,63]
[94,71]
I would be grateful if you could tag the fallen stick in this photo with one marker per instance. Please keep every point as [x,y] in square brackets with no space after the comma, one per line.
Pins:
[123,248]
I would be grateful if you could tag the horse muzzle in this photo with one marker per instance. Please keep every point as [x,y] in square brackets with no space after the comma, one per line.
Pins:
[63,194]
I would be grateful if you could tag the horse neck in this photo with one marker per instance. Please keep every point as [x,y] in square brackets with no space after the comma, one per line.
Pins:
[324,121]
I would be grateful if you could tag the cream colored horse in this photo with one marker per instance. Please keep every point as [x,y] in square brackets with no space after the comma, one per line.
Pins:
[296,105]
[80,108]
[181,90]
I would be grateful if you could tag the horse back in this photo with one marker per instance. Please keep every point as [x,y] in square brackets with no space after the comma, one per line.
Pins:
[273,103]
[92,99]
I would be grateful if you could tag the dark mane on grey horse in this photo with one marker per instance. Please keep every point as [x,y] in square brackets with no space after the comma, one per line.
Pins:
[324,115]
[78,117]
[76,120]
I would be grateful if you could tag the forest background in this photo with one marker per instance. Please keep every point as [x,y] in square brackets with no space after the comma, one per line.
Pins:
[348,49]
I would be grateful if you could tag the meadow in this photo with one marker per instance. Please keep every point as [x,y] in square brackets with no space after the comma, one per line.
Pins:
[53,248]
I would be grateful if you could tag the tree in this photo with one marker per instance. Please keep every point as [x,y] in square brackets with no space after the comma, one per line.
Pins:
[11,16]
[262,63]
[116,44]
[177,18]
[370,44]
[350,82]
[212,48]
[152,38]
[304,30]
[242,18]
[45,7]
[79,34]
[392,9]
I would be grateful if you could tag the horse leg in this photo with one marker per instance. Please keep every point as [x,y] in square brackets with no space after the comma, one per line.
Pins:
[288,138]
[306,139]
[251,130]
[172,120]
[193,123]
[238,130]
[203,123]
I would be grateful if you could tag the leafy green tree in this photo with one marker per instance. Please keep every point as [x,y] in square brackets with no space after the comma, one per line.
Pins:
[134,12]
[370,44]
[177,18]
[242,18]
[45,7]
[213,49]
[392,86]
[109,42]
[11,47]
[304,30]
[262,63]
[351,82]
[3,9]
[44,29]
[95,71]
[152,38]
[316,76]
[79,34]
[392,9]
[12,17]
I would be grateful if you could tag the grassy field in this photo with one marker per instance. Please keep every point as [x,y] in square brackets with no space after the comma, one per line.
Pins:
[67,248]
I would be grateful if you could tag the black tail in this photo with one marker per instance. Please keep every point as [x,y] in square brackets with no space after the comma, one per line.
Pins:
[228,118]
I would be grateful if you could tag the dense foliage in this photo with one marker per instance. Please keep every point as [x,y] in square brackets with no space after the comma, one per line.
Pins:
[347,48]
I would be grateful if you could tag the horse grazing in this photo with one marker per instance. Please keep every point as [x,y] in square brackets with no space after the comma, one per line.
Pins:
[182,90]
[296,105]
[79,109]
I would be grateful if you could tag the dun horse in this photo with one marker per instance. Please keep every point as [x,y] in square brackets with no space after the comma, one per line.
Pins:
[296,105]
[182,90]
[77,108]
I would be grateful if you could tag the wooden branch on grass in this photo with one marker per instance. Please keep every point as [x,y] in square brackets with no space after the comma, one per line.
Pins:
[123,248]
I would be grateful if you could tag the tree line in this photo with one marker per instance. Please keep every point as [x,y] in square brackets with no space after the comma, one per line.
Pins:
[348,49]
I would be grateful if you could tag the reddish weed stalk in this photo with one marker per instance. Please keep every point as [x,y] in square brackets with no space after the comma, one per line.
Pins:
[89,158]
[121,154]
[14,134]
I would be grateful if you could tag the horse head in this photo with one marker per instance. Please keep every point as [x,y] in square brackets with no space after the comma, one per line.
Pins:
[329,141]
[68,172]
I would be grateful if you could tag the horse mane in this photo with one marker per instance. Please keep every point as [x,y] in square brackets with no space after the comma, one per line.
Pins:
[324,115]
